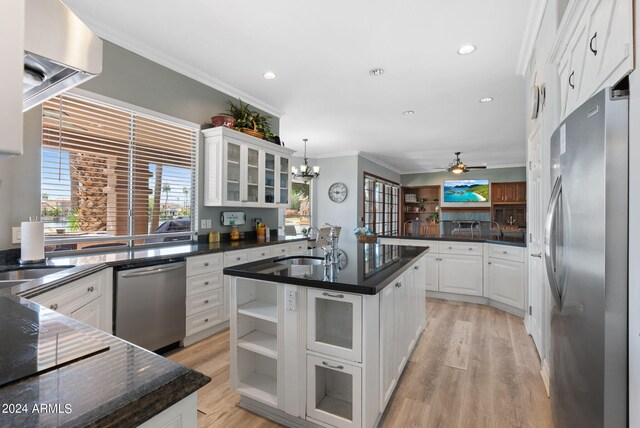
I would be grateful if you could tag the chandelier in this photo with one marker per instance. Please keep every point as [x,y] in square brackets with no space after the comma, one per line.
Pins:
[306,173]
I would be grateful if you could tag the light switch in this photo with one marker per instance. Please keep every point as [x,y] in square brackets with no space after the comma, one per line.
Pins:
[208,223]
[16,236]
[203,224]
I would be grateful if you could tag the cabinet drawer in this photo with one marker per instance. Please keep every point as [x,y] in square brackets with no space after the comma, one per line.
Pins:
[259,254]
[79,294]
[462,248]
[202,264]
[205,282]
[203,320]
[279,250]
[507,252]
[233,258]
[298,247]
[200,302]
[433,245]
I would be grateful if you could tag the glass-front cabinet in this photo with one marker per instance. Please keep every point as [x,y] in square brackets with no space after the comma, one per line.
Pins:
[241,170]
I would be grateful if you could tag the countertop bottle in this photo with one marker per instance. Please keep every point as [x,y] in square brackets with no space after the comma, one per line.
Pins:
[235,232]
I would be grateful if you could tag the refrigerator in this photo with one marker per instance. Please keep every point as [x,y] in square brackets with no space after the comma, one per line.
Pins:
[586,261]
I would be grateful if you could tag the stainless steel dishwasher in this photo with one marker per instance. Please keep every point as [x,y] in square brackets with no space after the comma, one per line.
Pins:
[150,305]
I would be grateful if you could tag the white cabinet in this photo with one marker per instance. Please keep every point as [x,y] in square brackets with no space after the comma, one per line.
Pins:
[388,366]
[334,324]
[183,414]
[460,274]
[431,272]
[11,73]
[241,170]
[334,392]
[599,51]
[89,299]
[506,279]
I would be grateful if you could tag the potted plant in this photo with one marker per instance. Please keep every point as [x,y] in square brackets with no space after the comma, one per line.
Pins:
[432,218]
[249,121]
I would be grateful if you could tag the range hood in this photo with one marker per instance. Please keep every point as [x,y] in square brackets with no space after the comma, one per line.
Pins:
[60,51]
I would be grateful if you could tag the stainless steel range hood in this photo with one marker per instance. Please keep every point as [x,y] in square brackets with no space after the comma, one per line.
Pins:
[60,51]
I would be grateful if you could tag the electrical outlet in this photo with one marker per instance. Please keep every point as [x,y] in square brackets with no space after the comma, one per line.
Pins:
[292,296]
[208,223]
[203,224]
[16,236]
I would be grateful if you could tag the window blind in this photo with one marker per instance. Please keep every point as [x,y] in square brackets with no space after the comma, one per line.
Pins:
[115,175]
[381,199]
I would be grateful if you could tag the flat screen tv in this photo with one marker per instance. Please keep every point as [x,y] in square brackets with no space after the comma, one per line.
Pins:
[462,193]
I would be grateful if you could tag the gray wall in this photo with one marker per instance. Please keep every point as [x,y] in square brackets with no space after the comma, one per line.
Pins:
[495,175]
[133,79]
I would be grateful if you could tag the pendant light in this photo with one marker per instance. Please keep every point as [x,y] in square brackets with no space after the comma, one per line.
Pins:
[306,173]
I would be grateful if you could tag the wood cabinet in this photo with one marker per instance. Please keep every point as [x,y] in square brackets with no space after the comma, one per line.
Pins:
[418,202]
[593,49]
[509,193]
[89,299]
[241,170]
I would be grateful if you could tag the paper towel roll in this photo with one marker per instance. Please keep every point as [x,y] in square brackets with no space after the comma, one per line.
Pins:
[32,241]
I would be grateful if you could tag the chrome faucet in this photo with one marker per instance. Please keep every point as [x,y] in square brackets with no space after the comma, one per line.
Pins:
[332,252]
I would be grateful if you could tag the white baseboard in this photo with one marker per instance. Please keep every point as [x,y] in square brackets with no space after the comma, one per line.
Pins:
[544,372]
[190,340]
[476,299]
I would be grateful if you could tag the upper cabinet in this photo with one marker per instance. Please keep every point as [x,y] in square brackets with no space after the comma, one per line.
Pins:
[11,73]
[509,193]
[593,49]
[240,170]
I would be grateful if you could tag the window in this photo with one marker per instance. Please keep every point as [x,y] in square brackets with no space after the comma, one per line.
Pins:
[114,176]
[381,199]
[299,213]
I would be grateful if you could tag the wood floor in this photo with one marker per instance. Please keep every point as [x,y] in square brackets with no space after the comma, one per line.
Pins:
[474,366]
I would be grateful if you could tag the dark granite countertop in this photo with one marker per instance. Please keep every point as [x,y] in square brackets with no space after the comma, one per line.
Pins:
[366,269]
[122,386]
[513,240]
[84,264]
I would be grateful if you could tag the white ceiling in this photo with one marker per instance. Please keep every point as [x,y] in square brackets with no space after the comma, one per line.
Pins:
[322,51]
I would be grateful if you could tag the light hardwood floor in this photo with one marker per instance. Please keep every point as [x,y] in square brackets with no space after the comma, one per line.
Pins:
[474,366]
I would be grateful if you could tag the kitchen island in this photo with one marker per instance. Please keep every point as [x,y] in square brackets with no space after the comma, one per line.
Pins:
[316,345]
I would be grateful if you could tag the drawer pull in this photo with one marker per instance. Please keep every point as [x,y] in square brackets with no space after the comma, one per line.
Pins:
[591,48]
[206,283]
[398,284]
[504,252]
[238,258]
[339,296]
[470,249]
[54,306]
[263,254]
[90,289]
[416,267]
[324,363]
[571,80]
[206,301]
[206,320]
[206,264]
[451,248]
[488,263]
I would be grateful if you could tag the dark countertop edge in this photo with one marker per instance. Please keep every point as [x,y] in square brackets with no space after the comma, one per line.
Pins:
[155,402]
[335,286]
[458,239]
[41,285]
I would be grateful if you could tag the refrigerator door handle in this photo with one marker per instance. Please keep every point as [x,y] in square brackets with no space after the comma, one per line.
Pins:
[550,241]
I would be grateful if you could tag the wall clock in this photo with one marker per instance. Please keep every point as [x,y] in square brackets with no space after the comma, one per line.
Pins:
[338,192]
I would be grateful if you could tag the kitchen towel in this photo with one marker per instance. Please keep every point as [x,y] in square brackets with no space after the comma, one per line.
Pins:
[32,241]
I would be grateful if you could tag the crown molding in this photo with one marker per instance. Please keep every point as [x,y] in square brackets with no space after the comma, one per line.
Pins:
[337,154]
[379,162]
[180,67]
[534,21]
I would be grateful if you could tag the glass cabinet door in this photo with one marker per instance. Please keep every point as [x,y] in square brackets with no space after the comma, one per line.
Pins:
[269,178]
[233,171]
[284,181]
[253,168]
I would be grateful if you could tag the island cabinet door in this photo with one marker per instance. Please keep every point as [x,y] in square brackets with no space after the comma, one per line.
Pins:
[430,272]
[334,392]
[460,274]
[334,324]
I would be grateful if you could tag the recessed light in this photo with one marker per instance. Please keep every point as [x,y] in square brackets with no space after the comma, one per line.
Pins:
[408,112]
[376,72]
[269,75]
[486,100]
[466,49]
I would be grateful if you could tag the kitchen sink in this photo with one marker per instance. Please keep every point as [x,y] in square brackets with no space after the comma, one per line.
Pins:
[300,261]
[28,274]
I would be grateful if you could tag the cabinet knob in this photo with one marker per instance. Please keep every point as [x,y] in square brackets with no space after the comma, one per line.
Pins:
[451,248]
[324,363]
[338,296]
[54,306]
[416,267]
[206,283]
[488,263]
[591,44]
[470,249]
[398,284]
[206,264]
[206,320]
[206,301]
[237,258]
[90,289]
[264,254]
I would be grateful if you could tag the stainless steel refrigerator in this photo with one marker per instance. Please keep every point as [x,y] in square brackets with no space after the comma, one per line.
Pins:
[586,259]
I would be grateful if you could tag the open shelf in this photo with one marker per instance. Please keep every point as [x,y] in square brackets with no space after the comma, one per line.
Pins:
[261,343]
[260,386]
[261,310]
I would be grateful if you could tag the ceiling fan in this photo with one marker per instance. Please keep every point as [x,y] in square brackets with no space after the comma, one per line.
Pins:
[458,167]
